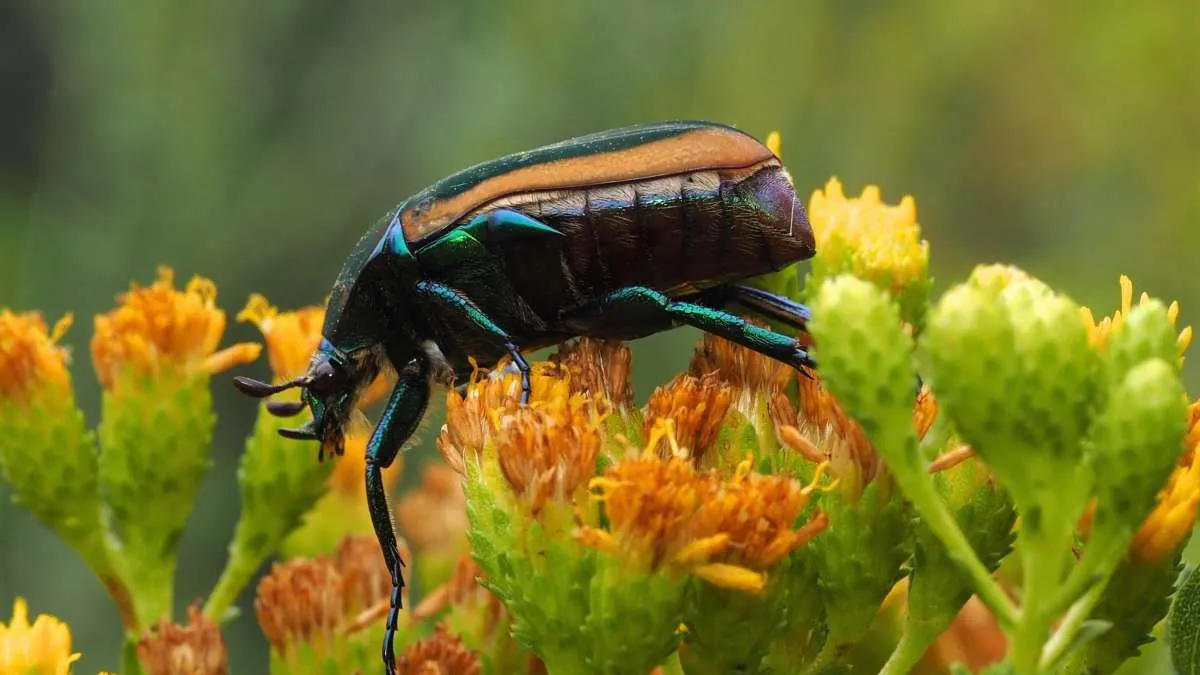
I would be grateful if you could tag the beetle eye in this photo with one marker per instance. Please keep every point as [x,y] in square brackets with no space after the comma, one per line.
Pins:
[327,379]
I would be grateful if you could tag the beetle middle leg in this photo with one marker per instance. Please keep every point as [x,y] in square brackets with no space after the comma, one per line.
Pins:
[450,300]
[636,304]
[399,420]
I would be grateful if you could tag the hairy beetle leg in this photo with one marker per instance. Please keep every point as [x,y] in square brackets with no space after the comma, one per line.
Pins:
[399,420]
[640,304]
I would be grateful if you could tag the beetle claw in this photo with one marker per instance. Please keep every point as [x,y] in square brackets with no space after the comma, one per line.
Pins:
[300,434]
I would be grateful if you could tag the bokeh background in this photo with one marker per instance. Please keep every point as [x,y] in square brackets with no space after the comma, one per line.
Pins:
[254,142]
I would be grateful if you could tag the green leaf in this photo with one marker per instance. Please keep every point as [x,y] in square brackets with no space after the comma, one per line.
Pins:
[1183,625]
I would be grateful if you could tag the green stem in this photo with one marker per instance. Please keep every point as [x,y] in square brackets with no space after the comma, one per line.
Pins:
[237,574]
[130,665]
[1069,629]
[673,666]
[921,492]
[1041,560]
[907,653]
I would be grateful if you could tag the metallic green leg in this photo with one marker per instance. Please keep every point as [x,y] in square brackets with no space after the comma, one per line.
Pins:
[456,303]
[644,305]
[397,424]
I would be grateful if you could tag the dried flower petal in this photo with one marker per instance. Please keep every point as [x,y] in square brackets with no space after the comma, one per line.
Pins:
[599,367]
[300,601]
[441,654]
[549,453]
[193,649]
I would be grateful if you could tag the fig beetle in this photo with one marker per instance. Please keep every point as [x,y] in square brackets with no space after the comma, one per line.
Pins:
[618,235]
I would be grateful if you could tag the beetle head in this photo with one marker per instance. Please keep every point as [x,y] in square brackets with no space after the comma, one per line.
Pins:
[331,388]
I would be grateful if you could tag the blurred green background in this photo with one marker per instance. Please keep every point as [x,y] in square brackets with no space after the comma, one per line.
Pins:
[254,142]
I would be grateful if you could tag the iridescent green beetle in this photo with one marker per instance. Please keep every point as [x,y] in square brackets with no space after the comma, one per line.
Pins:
[619,234]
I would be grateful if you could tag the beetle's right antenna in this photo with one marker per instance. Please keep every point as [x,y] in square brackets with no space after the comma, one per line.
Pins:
[258,389]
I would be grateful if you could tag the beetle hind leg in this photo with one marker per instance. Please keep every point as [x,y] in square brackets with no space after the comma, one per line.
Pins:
[768,305]
[636,304]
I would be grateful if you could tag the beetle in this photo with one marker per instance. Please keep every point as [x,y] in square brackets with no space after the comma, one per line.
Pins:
[619,235]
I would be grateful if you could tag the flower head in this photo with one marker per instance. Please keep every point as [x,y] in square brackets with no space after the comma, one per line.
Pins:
[441,654]
[291,337]
[666,515]
[695,407]
[872,240]
[43,648]
[300,601]
[196,648]
[1171,522]
[1100,332]
[158,330]
[549,453]
[747,371]
[30,356]
[599,367]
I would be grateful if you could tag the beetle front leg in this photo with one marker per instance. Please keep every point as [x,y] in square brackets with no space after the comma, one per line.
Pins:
[449,300]
[637,304]
[399,420]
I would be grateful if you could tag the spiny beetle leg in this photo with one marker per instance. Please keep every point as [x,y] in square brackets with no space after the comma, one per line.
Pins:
[642,303]
[772,306]
[396,425]
[452,301]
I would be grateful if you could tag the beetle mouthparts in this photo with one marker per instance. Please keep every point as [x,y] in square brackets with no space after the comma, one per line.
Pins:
[252,387]
[285,408]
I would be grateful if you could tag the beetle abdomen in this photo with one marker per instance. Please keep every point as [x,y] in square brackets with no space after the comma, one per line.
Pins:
[688,230]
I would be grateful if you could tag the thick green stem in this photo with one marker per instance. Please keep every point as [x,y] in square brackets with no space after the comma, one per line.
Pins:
[1042,561]
[907,653]
[564,662]
[237,573]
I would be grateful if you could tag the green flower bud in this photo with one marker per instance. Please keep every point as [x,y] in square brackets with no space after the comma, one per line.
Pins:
[1146,333]
[1013,369]
[1136,443]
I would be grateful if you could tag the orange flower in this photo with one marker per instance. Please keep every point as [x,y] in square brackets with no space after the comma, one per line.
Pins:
[158,330]
[746,370]
[30,357]
[1170,523]
[291,337]
[696,406]
[600,368]
[549,453]
[665,514]
[43,648]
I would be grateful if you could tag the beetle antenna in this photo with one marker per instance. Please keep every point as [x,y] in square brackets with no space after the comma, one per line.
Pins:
[258,389]
[285,408]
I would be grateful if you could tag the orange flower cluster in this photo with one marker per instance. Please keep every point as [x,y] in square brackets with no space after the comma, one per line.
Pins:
[31,356]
